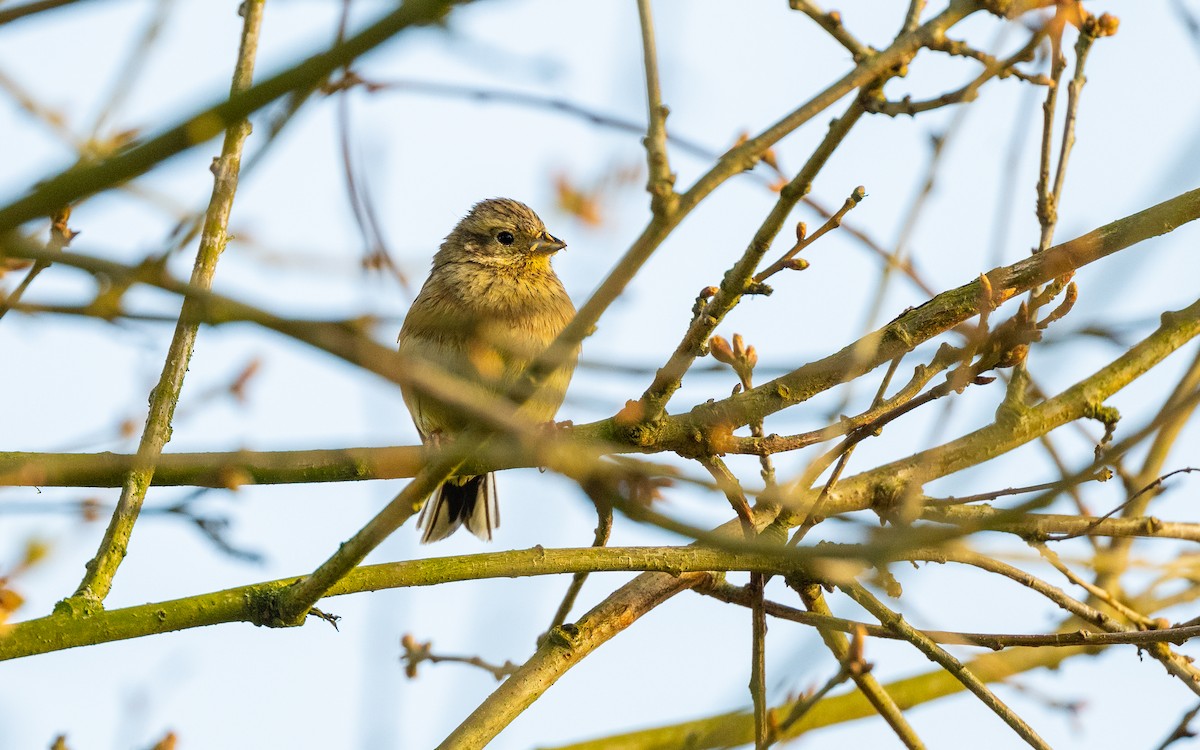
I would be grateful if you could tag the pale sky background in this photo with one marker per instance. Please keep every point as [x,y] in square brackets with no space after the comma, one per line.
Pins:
[726,68]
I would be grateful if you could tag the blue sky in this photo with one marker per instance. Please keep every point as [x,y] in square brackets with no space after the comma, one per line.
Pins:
[726,68]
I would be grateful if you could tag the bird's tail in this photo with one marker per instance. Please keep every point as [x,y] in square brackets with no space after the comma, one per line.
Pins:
[461,501]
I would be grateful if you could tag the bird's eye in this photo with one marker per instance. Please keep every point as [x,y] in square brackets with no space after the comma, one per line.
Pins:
[505,238]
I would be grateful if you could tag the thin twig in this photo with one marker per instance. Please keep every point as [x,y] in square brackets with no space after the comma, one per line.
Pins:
[127,76]
[416,652]
[758,619]
[733,491]
[1093,523]
[1177,634]
[83,180]
[661,183]
[758,662]
[986,497]
[9,15]
[1082,46]
[868,420]
[101,569]
[949,663]
[735,282]
[60,236]
[375,250]
[1173,421]
[1047,210]
[1182,730]
[801,708]
[1122,609]
[812,515]
[993,68]
[832,223]
[1054,527]
[814,599]
[604,520]
[832,23]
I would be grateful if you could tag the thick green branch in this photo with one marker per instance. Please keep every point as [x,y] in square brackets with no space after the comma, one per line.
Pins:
[228,470]
[71,625]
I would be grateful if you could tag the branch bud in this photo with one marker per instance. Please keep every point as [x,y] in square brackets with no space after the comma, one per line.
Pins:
[721,350]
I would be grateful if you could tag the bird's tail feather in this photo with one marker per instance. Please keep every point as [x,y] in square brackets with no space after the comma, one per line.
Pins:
[461,501]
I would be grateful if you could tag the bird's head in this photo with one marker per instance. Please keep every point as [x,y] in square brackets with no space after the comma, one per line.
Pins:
[500,232]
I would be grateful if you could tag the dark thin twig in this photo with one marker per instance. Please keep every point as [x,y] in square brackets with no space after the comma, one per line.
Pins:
[375,250]
[758,662]
[813,597]
[729,485]
[1100,519]
[416,652]
[1177,634]
[832,24]
[604,520]
[1182,730]
[661,183]
[936,653]
[993,68]
[812,515]
[60,236]
[833,222]
[984,497]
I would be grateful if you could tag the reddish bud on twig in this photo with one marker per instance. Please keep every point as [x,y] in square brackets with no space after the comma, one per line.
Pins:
[1064,307]
[721,350]
[739,346]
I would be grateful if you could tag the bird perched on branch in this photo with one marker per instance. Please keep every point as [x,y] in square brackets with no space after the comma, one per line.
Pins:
[491,304]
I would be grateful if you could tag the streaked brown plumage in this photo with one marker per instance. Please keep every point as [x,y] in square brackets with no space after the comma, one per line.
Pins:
[490,305]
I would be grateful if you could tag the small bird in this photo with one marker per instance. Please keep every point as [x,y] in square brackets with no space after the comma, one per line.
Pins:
[491,304]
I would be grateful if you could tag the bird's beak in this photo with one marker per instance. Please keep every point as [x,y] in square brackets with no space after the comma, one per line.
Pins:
[546,244]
